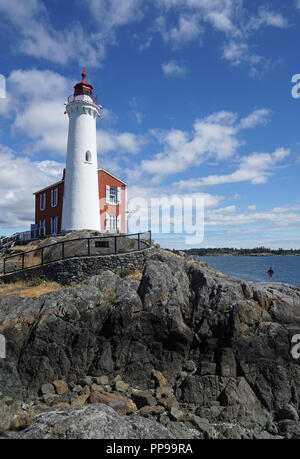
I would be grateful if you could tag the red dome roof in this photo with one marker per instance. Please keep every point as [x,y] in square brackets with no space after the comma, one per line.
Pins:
[79,87]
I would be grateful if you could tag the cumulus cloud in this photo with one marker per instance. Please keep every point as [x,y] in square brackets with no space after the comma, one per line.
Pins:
[19,178]
[255,168]
[172,68]
[214,136]
[119,142]
[230,216]
[114,13]
[256,118]
[179,22]
[37,37]
[229,17]
[38,108]
[186,30]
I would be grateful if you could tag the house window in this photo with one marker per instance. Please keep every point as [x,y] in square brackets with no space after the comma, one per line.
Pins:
[110,222]
[54,197]
[113,194]
[54,225]
[88,157]
[43,201]
[42,227]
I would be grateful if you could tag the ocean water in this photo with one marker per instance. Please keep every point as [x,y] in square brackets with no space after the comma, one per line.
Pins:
[286,268]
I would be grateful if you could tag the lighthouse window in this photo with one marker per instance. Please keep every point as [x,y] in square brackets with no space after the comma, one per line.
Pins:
[88,157]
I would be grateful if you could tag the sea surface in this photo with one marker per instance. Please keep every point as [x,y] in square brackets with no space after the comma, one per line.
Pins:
[286,268]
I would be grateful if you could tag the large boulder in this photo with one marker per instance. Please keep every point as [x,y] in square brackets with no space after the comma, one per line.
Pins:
[90,422]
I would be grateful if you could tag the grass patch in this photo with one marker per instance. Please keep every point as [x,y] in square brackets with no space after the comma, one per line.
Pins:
[125,272]
[27,289]
[37,282]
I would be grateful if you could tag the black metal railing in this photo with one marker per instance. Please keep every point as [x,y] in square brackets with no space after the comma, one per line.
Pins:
[81,247]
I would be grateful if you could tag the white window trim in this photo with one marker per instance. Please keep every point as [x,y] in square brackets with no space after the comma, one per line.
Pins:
[118,195]
[54,225]
[54,197]
[111,222]
[43,201]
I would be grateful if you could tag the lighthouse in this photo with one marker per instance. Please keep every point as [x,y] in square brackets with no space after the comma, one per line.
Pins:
[81,194]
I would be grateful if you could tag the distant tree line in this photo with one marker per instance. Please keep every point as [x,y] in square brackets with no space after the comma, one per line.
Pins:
[202,252]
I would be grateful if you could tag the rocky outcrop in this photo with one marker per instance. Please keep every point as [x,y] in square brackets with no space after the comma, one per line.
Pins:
[205,355]
[91,422]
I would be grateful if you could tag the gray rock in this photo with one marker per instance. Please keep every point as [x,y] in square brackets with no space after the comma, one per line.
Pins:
[47,389]
[91,422]
[189,366]
[77,389]
[176,414]
[287,412]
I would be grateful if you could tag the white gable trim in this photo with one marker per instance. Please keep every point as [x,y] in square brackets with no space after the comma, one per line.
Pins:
[117,178]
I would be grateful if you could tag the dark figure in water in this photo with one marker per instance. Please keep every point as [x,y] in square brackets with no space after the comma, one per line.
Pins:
[271,273]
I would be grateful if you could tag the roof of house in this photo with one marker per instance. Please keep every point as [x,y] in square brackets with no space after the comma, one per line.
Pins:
[112,175]
[50,186]
[61,181]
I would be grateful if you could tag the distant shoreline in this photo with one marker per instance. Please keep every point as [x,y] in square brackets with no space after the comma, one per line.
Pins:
[225,252]
[248,255]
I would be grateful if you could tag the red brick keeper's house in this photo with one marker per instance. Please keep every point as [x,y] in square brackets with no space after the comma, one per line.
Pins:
[112,200]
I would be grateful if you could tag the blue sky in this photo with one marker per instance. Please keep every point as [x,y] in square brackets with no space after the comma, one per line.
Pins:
[196,98]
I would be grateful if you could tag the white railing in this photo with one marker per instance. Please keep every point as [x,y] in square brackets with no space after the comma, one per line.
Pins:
[25,236]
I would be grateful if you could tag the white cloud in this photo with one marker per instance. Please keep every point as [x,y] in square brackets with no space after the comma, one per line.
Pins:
[268,18]
[172,68]
[298,4]
[119,142]
[255,168]
[187,30]
[39,108]
[114,13]
[37,37]
[212,137]
[19,178]
[229,17]
[256,118]
[231,217]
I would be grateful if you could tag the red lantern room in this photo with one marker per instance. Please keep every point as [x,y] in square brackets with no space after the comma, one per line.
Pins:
[83,88]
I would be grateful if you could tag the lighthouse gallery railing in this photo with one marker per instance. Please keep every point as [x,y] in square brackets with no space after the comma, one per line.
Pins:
[73,248]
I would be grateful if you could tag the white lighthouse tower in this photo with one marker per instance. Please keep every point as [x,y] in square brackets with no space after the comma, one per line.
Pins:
[81,193]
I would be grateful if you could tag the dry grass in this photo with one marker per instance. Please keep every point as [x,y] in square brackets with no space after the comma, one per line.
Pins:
[26,289]
[137,275]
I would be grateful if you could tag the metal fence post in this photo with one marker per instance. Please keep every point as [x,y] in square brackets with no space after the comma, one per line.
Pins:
[63,250]
[23,260]
[116,247]
[42,256]
[139,241]
[89,247]
[150,234]
[4,266]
